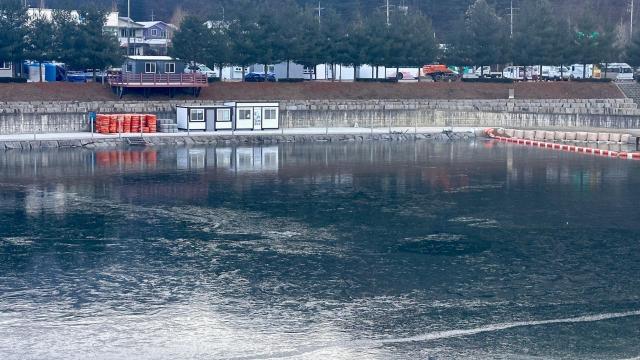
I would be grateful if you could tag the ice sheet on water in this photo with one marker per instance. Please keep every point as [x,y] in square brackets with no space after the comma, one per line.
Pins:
[16,241]
[476,222]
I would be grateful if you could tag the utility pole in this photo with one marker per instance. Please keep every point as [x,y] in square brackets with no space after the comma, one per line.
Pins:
[128,27]
[320,8]
[388,23]
[631,22]
[511,26]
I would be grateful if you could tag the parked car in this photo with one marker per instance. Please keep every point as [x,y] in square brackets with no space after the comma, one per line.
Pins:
[202,69]
[259,77]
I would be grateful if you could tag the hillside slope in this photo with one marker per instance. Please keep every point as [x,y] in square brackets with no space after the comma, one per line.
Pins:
[320,91]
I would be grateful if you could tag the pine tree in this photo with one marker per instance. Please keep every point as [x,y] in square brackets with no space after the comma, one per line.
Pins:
[189,41]
[13,31]
[102,48]
[39,45]
[486,35]
[633,52]
[532,40]
[244,36]
[217,48]
[420,45]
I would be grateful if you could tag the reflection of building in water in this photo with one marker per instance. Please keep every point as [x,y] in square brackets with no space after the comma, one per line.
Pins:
[37,201]
[126,158]
[190,159]
[234,159]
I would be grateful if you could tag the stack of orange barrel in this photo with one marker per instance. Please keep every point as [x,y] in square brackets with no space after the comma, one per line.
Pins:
[152,122]
[113,124]
[102,124]
[135,123]
[143,123]
[126,123]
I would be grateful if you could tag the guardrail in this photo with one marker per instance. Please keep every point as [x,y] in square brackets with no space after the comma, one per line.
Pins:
[161,80]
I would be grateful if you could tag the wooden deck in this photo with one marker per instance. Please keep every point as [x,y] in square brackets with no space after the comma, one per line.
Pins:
[158,80]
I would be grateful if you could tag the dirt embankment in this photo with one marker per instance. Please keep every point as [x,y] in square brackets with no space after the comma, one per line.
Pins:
[321,91]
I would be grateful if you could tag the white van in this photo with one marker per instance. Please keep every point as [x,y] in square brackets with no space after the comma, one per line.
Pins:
[618,71]
[555,73]
[578,71]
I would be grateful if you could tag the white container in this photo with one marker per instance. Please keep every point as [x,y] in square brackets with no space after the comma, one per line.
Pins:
[35,71]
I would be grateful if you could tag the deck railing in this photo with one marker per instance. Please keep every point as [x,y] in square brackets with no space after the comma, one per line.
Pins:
[151,80]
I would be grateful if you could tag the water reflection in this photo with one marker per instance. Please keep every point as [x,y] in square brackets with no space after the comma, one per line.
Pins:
[350,250]
[233,159]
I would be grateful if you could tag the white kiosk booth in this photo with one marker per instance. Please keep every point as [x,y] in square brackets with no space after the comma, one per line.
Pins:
[205,117]
[230,116]
[256,115]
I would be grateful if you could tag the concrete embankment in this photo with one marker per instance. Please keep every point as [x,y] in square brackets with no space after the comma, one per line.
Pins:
[60,116]
[613,145]
[289,136]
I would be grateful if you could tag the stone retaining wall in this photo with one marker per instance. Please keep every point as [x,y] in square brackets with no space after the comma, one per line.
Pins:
[51,117]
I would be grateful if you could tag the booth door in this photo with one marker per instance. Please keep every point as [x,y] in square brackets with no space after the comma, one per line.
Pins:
[257,118]
[211,119]
[244,118]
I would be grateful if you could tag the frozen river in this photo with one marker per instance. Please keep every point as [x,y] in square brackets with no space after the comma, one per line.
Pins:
[414,250]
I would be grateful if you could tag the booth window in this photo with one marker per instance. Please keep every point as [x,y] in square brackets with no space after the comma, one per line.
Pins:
[244,114]
[150,68]
[5,65]
[170,68]
[224,115]
[197,115]
[270,114]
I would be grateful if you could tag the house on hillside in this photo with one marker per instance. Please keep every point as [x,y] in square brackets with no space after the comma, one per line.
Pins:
[140,64]
[149,38]
[157,36]
[130,34]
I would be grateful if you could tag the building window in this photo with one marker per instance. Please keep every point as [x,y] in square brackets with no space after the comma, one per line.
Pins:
[244,114]
[163,34]
[170,68]
[154,32]
[5,65]
[197,115]
[129,67]
[224,115]
[150,68]
[270,114]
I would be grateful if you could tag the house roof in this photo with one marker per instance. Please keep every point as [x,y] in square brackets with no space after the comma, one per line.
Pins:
[128,22]
[148,24]
[151,58]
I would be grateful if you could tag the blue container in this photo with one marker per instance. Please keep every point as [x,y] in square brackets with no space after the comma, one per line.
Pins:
[49,72]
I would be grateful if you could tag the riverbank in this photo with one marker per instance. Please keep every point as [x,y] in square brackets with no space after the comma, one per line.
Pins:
[321,91]
[90,141]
